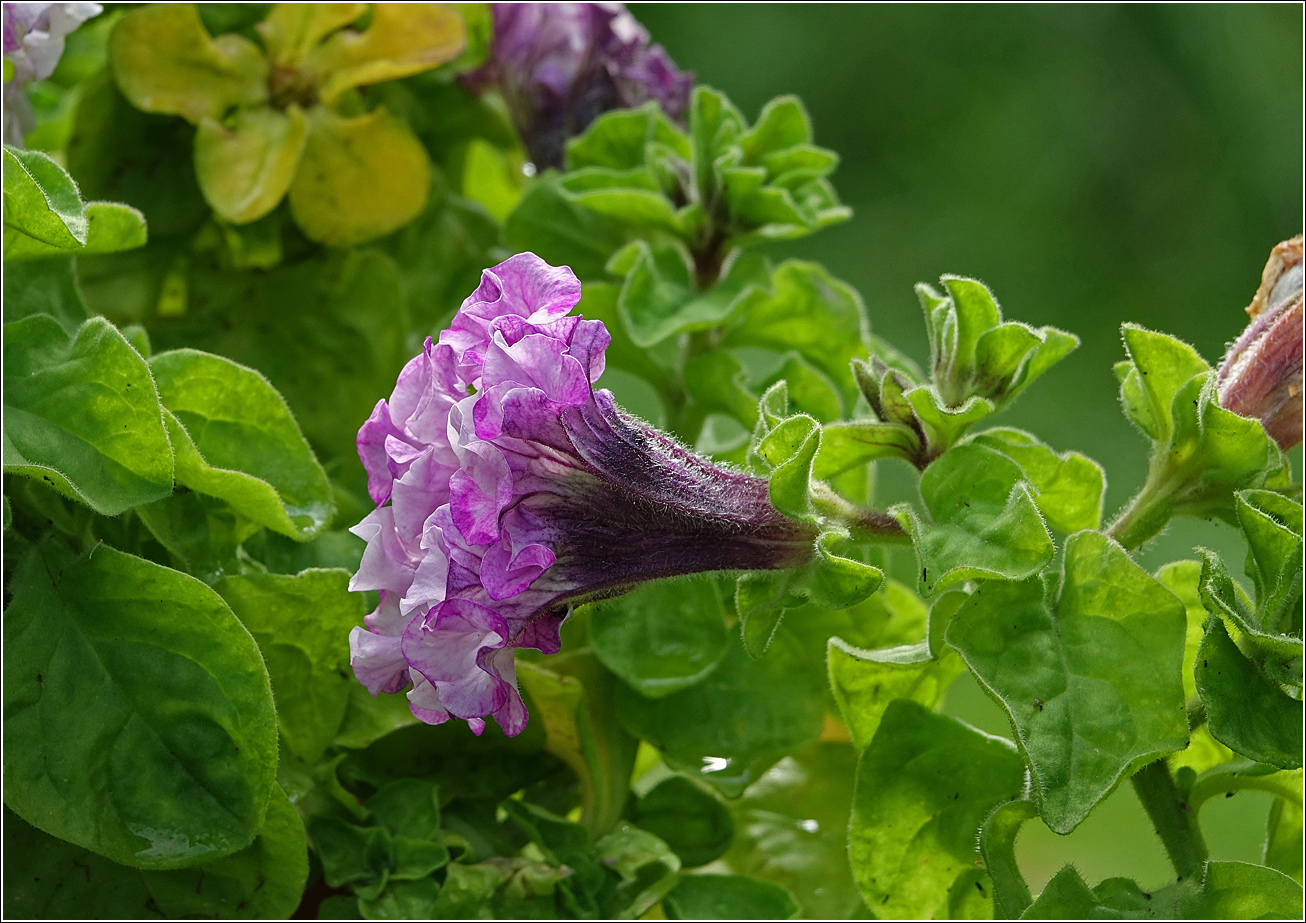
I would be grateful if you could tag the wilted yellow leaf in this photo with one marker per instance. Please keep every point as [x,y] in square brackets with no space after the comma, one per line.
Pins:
[245,166]
[165,61]
[403,39]
[293,30]
[358,178]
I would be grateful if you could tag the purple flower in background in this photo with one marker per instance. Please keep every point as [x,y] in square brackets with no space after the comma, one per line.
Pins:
[561,65]
[508,488]
[1261,375]
[33,43]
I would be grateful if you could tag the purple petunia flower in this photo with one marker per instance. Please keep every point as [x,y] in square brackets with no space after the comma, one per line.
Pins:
[508,489]
[33,44]
[561,65]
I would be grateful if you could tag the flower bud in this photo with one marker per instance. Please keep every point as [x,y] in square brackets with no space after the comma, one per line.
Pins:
[561,65]
[1261,375]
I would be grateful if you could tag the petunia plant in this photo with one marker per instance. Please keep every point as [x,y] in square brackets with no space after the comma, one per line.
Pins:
[394,530]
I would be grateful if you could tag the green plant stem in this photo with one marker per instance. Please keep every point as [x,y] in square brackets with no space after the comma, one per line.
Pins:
[866,525]
[1174,820]
[1146,515]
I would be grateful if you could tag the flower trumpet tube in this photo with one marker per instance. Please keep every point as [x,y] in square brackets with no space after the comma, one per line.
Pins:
[508,488]
[1261,375]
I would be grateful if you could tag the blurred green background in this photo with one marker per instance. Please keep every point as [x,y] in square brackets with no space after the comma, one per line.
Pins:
[1092,164]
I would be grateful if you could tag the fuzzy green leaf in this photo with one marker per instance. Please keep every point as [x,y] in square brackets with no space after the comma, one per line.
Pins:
[237,441]
[663,637]
[138,715]
[925,784]
[82,415]
[728,897]
[984,523]
[1092,685]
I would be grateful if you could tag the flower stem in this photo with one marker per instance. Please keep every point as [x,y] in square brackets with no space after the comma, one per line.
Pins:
[1173,819]
[867,525]
[1146,515]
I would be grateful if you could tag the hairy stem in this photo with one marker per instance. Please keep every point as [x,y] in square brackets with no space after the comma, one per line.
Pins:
[1174,820]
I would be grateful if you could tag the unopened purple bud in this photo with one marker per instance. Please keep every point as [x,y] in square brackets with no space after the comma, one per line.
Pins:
[1261,375]
[561,65]
[508,489]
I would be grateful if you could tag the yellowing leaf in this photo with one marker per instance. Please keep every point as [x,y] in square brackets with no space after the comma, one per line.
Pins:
[293,30]
[359,178]
[165,61]
[403,39]
[245,166]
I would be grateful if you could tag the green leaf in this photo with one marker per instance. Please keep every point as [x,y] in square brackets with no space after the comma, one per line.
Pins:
[359,177]
[728,897]
[663,637]
[240,443]
[810,311]
[735,724]
[42,205]
[1164,365]
[647,867]
[302,626]
[49,878]
[1248,712]
[944,425]
[82,414]
[997,845]
[790,449]
[1283,838]
[1092,685]
[1279,654]
[689,819]
[202,534]
[984,523]
[1227,891]
[44,214]
[265,880]
[245,164]
[1068,486]
[977,313]
[865,682]
[791,829]
[350,853]
[138,715]
[845,446]
[401,900]
[1182,578]
[925,784]
[548,223]
[165,61]
[658,298]
[714,126]
[44,287]
[467,888]
[617,140]
[783,123]
[1272,524]
[630,197]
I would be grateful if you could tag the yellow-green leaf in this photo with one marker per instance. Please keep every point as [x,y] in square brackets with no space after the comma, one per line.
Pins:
[245,166]
[293,30]
[358,178]
[165,61]
[402,39]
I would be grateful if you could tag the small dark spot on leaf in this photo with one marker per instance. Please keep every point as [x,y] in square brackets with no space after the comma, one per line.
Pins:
[1228,794]
[1038,703]
[979,887]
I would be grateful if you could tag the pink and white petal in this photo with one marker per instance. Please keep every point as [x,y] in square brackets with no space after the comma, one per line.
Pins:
[377,661]
[424,702]
[386,563]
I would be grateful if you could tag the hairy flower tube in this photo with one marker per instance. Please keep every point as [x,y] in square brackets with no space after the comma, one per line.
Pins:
[1261,375]
[34,36]
[561,65]
[508,488]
